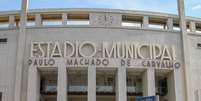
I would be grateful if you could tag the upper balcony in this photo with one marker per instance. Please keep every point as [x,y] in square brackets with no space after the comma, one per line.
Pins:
[99,18]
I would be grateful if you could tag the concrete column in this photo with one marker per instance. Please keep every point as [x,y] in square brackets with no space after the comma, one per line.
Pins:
[20,54]
[33,90]
[198,95]
[91,83]
[171,87]
[121,88]
[176,91]
[170,24]
[38,20]
[64,18]
[62,82]
[11,21]
[149,82]
[186,52]
[145,23]
[192,26]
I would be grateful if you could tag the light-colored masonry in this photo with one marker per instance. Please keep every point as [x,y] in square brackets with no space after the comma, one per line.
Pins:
[99,55]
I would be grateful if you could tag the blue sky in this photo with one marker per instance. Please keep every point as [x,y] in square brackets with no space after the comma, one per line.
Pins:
[193,7]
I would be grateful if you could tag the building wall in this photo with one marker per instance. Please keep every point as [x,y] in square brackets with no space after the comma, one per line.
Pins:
[111,34]
[8,51]
[7,64]
[104,31]
[195,64]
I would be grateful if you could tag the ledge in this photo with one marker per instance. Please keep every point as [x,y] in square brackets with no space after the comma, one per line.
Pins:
[84,26]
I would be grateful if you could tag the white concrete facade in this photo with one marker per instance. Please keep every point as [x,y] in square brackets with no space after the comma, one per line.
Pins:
[20,81]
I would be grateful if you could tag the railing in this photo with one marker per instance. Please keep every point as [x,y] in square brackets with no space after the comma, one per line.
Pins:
[99,18]
[132,89]
[50,88]
[80,88]
[77,89]
[105,89]
[71,88]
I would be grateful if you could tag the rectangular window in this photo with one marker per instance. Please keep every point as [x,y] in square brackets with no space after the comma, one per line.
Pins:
[199,45]
[78,19]
[0,96]
[3,40]
[4,25]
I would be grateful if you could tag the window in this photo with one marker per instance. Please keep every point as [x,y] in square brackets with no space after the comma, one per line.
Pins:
[0,96]
[4,25]
[162,88]
[110,81]
[78,19]
[199,45]
[3,40]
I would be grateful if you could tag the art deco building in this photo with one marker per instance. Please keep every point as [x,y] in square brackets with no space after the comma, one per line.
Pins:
[99,55]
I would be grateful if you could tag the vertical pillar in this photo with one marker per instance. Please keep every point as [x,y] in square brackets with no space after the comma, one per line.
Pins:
[11,21]
[91,83]
[149,82]
[170,24]
[186,52]
[33,90]
[198,95]
[62,82]
[20,52]
[145,24]
[121,88]
[171,87]
[176,91]
[64,18]
[192,26]
[38,20]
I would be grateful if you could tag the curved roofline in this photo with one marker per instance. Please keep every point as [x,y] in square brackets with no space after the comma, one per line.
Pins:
[99,10]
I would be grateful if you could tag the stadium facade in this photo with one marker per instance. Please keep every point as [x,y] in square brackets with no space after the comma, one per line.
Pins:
[99,54]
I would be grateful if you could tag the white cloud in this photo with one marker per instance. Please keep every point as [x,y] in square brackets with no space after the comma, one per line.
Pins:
[196,7]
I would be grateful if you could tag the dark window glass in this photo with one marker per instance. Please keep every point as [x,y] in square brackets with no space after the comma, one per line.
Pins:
[3,40]
[162,87]
[0,96]
[199,45]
